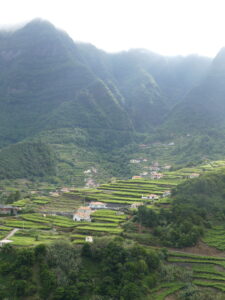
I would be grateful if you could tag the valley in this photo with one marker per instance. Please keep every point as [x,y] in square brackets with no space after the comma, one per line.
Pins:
[112,171]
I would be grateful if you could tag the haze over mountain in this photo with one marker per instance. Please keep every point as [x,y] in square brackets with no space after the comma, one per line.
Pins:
[51,84]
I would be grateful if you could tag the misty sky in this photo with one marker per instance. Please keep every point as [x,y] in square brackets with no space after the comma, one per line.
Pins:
[168,27]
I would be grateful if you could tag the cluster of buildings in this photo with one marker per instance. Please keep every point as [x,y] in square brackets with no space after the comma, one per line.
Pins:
[9,210]
[58,192]
[153,197]
[138,161]
[84,212]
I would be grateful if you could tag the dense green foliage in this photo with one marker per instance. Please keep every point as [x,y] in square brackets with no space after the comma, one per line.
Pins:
[195,204]
[106,269]
[27,160]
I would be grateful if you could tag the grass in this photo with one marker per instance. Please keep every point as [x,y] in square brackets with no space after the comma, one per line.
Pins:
[100,229]
[165,289]
[215,237]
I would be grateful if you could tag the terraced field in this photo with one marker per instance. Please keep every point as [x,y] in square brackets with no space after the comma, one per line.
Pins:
[208,271]
[215,237]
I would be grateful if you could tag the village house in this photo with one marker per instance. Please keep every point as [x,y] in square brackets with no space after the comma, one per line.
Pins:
[136,177]
[33,192]
[167,167]
[136,204]
[154,168]
[150,197]
[54,194]
[166,193]
[135,161]
[97,205]
[4,242]
[89,239]
[144,174]
[83,214]
[65,190]
[194,175]
[155,175]
[8,210]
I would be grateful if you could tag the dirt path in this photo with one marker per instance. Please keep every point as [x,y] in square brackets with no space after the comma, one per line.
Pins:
[200,249]
[11,234]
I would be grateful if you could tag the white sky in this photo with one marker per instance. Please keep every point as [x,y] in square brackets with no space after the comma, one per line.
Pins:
[168,27]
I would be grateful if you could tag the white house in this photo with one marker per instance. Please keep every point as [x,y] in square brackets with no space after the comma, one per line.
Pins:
[150,197]
[166,193]
[155,175]
[89,239]
[135,161]
[194,175]
[65,190]
[4,242]
[83,214]
[136,177]
[97,205]
[136,204]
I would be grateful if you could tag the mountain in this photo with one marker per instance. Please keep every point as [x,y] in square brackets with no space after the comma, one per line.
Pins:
[43,77]
[150,84]
[52,87]
[203,108]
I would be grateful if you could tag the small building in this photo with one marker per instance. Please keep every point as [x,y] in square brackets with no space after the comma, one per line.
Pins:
[155,175]
[144,174]
[83,214]
[54,194]
[150,197]
[167,167]
[136,204]
[9,210]
[89,239]
[166,193]
[135,161]
[87,171]
[4,242]
[65,190]
[154,168]
[97,205]
[136,177]
[194,175]
[33,192]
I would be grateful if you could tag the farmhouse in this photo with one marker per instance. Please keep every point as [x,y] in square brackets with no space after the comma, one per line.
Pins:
[155,175]
[135,161]
[150,197]
[136,177]
[4,242]
[136,204]
[65,190]
[166,193]
[8,210]
[167,167]
[83,214]
[194,175]
[97,205]
[54,194]
[144,174]
[89,239]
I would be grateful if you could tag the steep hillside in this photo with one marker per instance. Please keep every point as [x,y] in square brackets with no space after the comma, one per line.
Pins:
[204,106]
[104,102]
[27,160]
[43,75]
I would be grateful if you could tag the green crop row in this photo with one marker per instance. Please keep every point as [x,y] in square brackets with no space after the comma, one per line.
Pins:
[100,229]
[195,256]
[216,285]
